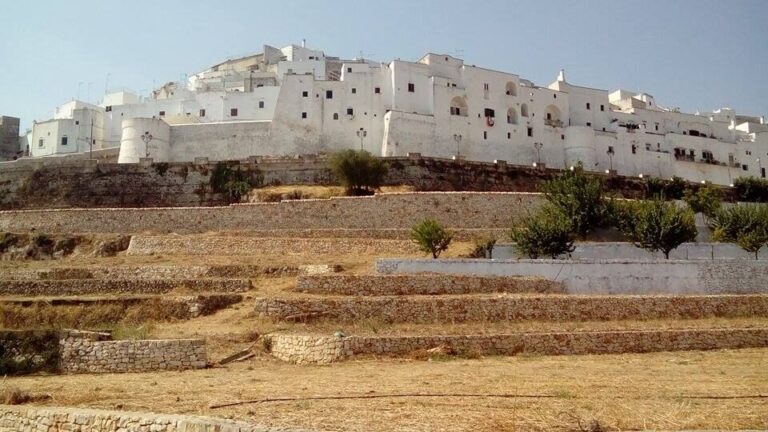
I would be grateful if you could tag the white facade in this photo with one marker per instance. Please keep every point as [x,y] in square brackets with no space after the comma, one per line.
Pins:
[296,100]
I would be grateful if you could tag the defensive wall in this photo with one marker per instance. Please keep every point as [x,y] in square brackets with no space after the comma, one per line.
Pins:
[675,277]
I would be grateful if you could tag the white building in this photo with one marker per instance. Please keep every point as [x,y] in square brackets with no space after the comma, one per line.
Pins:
[296,100]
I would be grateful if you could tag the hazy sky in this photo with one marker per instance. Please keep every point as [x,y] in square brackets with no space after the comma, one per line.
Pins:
[693,54]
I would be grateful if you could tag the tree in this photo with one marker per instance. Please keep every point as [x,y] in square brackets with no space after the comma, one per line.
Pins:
[431,237]
[657,225]
[546,233]
[359,171]
[751,189]
[745,225]
[579,198]
[234,184]
[706,200]
[667,189]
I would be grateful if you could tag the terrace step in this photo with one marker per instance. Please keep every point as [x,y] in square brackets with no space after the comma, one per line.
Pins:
[508,307]
[303,349]
[70,287]
[422,284]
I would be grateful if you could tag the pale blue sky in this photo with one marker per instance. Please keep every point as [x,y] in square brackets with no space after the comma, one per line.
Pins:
[695,54]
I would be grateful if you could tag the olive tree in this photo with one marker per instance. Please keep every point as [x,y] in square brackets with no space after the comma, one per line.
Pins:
[656,225]
[580,200]
[745,225]
[359,171]
[431,237]
[547,233]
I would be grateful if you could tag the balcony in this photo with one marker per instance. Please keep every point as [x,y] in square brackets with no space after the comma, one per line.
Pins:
[553,123]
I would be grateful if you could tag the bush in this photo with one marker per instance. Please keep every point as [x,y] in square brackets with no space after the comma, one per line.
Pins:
[483,247]
[707,200]
[745,225]
[28,351]
[431,237]
[547,233]
[8,240]
[671,190]
[656,225]
[359,171]
[751,189]
[579,198]
[233,184]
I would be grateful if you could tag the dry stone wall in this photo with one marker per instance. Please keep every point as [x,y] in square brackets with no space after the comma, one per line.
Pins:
[88,352]
[504,307]
[236,246]
[69,287]
[385,285]
[33,419]
[304,349]
[469,210]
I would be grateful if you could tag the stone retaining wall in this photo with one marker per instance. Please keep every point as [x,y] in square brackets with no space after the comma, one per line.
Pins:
[88,352]
[386,211]
[384,285]
[25,418]
[504,307]
[304,349]
[118,286]
[735,276]
[236,246]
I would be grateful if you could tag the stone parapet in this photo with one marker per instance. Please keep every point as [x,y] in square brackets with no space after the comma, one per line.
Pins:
[505,307]
[422,284]
[306,349]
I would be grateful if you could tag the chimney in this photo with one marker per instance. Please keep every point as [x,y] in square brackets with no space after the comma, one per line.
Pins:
[303,43]
[561,75]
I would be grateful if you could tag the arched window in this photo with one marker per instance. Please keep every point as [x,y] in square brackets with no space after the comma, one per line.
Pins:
[524,110]
[335,116]
[459,106]
[511,89]
[511,116]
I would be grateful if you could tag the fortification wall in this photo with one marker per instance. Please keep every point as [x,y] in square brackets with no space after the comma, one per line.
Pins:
[87,352]
[26,418]
[504,307]
[303,349]
[726,276]
[383,285]
[387,211]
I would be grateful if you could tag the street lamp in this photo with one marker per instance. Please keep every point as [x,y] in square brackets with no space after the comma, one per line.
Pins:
[457,138]
[362,133]
[538,146]
[147,138]
[610,154]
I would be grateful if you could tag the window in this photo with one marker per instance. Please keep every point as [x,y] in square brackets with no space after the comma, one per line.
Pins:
[77,122]
[589,123]
[349,70]
[647,146]
[486,87]
[261,104]
[530,131]
[335,116]
[589,106]
[304,115]
[509,135]
[233,112]
[634,149]
[489,113]
[202,113]
[456,111]
[554,96]
[377,90]
[745,167]
[762,172]
[562,137]
[749,153]
[305,94]
[524,110]
[485,135]
[350,112]
[602,107]
[329,94]
[549,116]
[41,143]
[108,108]
[354,90]
[657,126]
[610,149]
[162,113]
[64,140]
[411,88]
[511,116]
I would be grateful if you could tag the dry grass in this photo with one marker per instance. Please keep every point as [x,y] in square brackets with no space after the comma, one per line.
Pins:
[270,193]
[647,391]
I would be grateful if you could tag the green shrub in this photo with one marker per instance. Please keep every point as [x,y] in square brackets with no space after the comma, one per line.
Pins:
[547,233]
[580,198]
[706,200]
[751,189]
[745,225]
[234,184]
[359,171]
[656,225]
[431,237]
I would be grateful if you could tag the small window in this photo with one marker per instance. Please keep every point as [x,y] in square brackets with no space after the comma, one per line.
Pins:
[305,94]
[589,123]
[490,113]
[610,149]
[377,90]
[485,135]
[261,104]
[411,88]
[335,116]
[486,87]
[562,137]
[108,108]
[745,167]
[602,107]
[554,96]
[304,115]
[162,113]
[41,143]
[77,122]
[233,112]
[634,149]
[509,135]
[64,140]
[202,113]
[657,126]
[329,94]
[350,111]
[349,69]
[589,106]
[530,131]
[354,90]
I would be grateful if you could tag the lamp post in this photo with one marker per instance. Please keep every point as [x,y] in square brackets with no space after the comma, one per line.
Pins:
[147,138]
[457,138]
[610,154]
[538,146]
[362,133]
